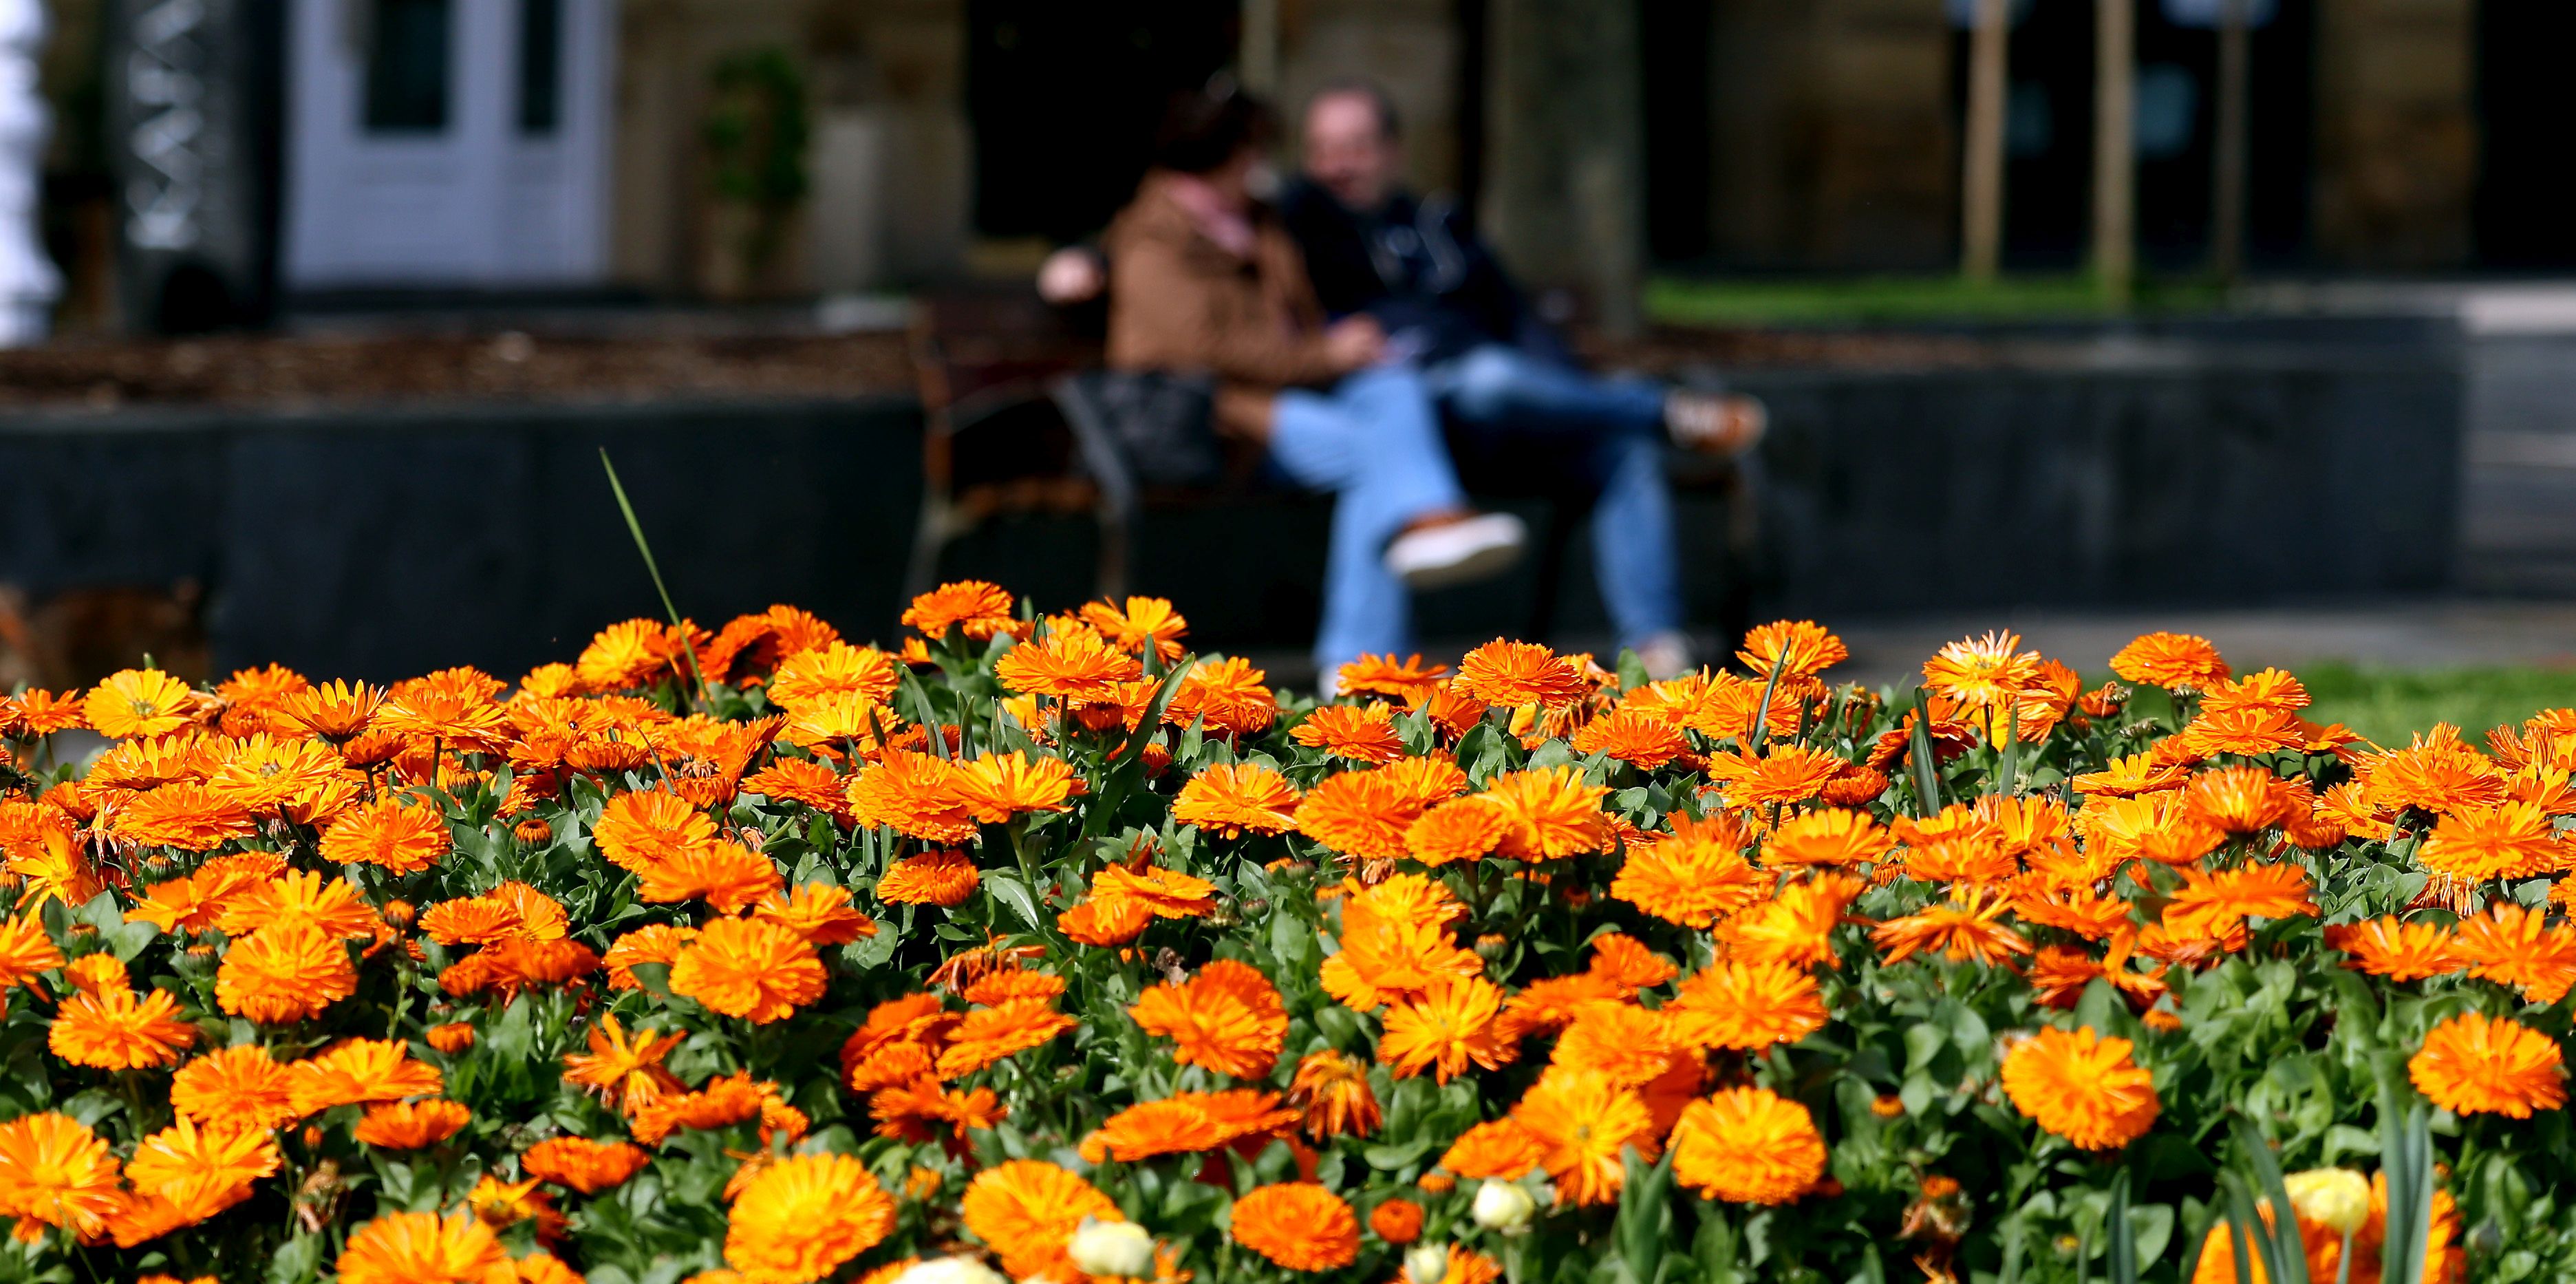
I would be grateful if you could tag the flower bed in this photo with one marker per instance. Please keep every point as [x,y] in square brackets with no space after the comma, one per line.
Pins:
[1043,947]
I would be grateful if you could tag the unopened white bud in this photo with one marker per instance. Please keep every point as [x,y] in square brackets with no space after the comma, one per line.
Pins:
[1503,1206]
[1427,1264]
[2336,1197]
[1120,1249]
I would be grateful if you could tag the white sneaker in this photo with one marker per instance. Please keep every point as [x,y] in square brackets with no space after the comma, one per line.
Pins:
[1668,654]
[1458,552]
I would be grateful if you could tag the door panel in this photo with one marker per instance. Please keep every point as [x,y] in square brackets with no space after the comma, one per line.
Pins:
[456,143]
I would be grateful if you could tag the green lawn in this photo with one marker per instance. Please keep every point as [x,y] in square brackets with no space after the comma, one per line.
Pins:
[2389,706]
[1850,300]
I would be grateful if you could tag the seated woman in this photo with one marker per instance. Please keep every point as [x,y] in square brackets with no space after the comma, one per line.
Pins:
[1203,280]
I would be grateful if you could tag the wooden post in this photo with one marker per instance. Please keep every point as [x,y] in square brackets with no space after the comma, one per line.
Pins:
[2115,144]
[2233,141]
[1981,182]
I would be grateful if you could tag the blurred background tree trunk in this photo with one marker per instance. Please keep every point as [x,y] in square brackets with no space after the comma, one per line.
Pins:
[1565,182]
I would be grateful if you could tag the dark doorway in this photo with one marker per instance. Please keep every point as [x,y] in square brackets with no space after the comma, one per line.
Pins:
[1675,36]
[2524,145]
[1064,98]
[2048,146]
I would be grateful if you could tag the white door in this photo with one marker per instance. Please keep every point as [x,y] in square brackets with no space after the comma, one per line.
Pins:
[447,142]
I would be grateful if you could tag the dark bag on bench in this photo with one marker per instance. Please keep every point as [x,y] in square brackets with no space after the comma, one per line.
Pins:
[1144,427]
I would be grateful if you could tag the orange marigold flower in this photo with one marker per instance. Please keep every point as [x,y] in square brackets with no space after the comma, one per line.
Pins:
[1497,1148]
[1069,663]
[2081,1086]
[988,1035]
[201,1167]
[944,878]
[2398,950]
[1237,798]
[1362,733]
[36,713]
[819,912]
[725,874]
[2171,660]
[1746,1005]
[451,1038]
[1141,622]
[141,703]
[1784,773]
[1621,1040]
[2245,730]
[2478,844]
[402,836]
[2139,773]
[629,653]
[1174,1126]
[1548,812]
[410,1125]
[1105,923]
[638,831]
[805,1215]
[1465,829]
[1826,838]
[1397,1221]
[1982,673]
[421,1248]
[980,609]
[185,815]
[747,968]
[579,1163]
[1452,1026]
[2238,800]
[1695,876]
[1228,695]
[2515,946]
[1407,679]
[285,973]
[1359,813]
[359,1071]
[834,668]
[114,1029]
[1333,1091]
[914,794]
[1027,1211]
[1643,738]
[658,943]
[55,1172]
[1227,1018]
[1791,649]
[1967,926]
[1001,786]
[236,1087]
[1165,893]
[1297,1225]
[1581,1120]
[2477,1064]
[1518,673]
[1748,1146]
[25,950]
[2209,904]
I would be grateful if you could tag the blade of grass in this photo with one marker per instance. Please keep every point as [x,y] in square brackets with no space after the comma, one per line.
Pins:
[2122,1248]
[2406,1156]
[1927,774]
[2287,1255]
[654,569]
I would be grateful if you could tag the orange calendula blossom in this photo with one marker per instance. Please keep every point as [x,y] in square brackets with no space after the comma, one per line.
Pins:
[2476,1064]
[2081,1086]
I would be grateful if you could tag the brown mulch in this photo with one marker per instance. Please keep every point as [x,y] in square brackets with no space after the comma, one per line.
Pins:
[300,371]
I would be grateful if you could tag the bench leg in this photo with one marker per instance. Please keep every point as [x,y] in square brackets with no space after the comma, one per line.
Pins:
[1109,579]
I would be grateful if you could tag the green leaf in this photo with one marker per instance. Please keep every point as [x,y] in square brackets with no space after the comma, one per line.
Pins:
[1006,885]
[2122,1247]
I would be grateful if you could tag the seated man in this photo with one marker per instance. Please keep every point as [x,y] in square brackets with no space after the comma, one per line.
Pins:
[1495,370]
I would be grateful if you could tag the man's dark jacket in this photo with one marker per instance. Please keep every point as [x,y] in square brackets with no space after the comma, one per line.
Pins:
[1415,266]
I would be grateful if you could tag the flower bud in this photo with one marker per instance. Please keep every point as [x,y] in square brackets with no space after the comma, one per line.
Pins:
[1503,1206]
[950,1270]
[1427,1264]
[2335,1197]
[1120,1249]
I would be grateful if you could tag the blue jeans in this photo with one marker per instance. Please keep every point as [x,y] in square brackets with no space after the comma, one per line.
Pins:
[1374,443]
[1616,428]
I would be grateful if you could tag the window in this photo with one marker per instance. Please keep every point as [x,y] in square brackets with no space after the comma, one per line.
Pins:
[540,66]
[407,66]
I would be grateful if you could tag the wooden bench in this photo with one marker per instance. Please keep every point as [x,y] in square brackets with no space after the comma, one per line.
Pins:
[1001,375]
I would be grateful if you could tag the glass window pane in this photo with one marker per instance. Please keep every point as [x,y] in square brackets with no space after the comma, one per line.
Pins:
[407,66]
[540,65]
